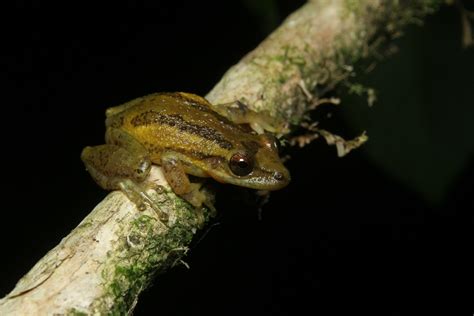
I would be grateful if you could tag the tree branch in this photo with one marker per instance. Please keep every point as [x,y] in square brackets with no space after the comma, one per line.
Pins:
[116,251]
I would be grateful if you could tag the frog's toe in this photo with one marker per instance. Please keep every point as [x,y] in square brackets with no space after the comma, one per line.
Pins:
[138,195]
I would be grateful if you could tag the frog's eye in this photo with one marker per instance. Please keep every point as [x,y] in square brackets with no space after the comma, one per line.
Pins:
[241,164]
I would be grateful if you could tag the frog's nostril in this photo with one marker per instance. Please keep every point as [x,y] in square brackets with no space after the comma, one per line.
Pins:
[278,176]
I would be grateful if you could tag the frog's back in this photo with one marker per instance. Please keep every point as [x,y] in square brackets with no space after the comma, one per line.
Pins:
[170,108]
[178,121]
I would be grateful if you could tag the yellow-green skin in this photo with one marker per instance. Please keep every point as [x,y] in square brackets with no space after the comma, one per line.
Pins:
[184,134]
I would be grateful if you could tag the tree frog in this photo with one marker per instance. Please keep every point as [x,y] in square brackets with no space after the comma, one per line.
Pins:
[185,135]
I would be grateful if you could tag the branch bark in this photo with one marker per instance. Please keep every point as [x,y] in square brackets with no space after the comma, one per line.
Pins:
[116,251]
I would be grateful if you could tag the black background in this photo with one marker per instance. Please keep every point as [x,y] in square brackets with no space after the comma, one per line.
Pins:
[345,237]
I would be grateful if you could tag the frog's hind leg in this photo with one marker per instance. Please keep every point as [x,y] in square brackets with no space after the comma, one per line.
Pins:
[122,163]
[122,157]
[110,164]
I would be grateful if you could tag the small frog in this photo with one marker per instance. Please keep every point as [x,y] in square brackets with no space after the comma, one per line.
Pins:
[185,135]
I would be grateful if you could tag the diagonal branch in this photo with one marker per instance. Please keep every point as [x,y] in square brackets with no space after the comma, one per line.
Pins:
[116,251]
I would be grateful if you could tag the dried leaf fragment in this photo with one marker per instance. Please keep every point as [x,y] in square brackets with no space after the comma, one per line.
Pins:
[343,146]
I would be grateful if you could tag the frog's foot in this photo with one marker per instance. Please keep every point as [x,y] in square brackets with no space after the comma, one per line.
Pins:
[137,193]
[199,197]
[240,113]
[195,196]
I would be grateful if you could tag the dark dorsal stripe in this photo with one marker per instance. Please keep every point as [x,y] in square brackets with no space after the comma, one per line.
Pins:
[203,108]
[154,117]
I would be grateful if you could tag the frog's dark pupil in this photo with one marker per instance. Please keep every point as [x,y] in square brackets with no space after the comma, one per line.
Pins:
[241,164]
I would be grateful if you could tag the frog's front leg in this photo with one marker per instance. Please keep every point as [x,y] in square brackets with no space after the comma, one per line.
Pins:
[173,165]
[240,113]
[122,163]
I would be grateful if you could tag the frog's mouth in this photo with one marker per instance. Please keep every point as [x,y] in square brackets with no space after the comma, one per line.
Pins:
[268,180]
[259,179]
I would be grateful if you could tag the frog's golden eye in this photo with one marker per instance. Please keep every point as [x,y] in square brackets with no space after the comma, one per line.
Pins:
[241,164]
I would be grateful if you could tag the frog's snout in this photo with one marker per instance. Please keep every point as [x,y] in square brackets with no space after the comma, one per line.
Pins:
[278,176]
[283,178]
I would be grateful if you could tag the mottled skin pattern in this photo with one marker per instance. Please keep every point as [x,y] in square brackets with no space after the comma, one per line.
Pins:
[182,133]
